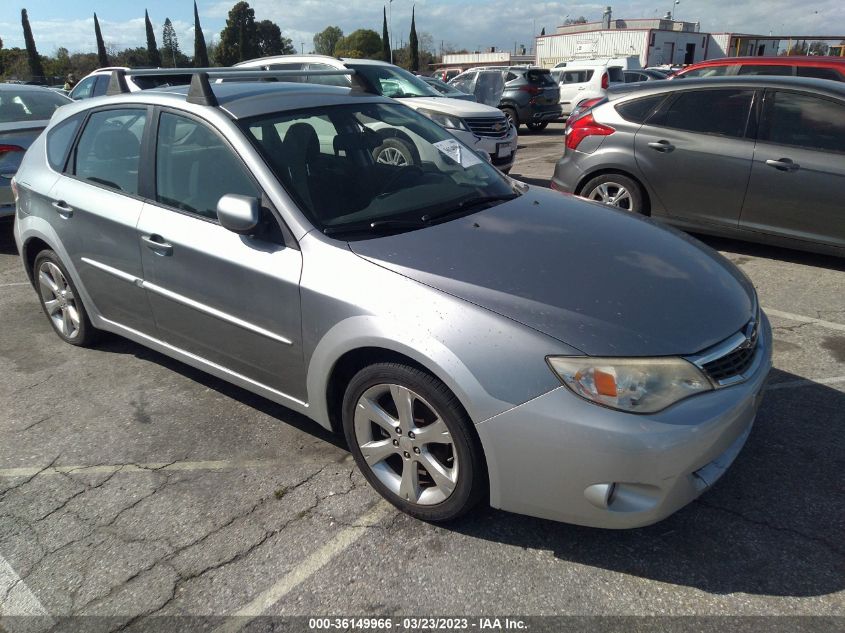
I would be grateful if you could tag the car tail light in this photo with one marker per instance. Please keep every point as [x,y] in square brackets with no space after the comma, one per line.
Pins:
[605,81]
[530,89]
[584,127]
[10,159]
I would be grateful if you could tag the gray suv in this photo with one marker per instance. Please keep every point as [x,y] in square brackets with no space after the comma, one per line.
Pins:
[428,312]
[758,158]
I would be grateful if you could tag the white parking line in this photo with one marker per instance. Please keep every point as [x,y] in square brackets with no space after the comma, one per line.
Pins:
[805,319]
[20,601]
[792,384]
[16,283]
[224,464]
[302,572]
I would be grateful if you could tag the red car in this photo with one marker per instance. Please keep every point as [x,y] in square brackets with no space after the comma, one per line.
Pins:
[801,66]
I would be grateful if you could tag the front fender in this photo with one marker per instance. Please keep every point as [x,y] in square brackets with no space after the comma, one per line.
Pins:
[365,331]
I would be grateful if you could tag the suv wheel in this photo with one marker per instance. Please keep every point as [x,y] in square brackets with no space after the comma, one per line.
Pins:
[60,300]
[394,151]
[537,127]
[616,190]
[413,442]
[511,115]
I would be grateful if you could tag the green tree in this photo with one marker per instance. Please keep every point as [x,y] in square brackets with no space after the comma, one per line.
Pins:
[35,67]
[385,37]
[362,44]
[153,56]
[239,38]
[170,43]
[414,44]
[200,50]
[102,57]
[270,40]
[326,40]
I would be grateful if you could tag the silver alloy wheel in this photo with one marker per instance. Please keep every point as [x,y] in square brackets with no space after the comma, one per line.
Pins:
[59,300]
[406,444]
[613,194]
[391,156]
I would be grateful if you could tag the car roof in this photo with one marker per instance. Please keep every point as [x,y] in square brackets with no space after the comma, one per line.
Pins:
[783,60]
[821,86]
[4,87]
[242,99]
[334,61]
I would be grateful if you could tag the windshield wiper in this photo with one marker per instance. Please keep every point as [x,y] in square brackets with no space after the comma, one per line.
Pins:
[376,226]
[466,205]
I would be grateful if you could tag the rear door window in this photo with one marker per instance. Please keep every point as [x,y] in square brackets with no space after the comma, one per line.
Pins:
[464,83]
[59,140]
[803,120]
[723,112]
[577,76]
[615,74]
[101,85]
[326,80]
[83,89]
[820,73]
[540,78]
[707,71]
[109,150]
[766,69]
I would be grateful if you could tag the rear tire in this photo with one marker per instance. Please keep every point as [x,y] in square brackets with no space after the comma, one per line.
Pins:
[61,302]
[616,190]
[424,457]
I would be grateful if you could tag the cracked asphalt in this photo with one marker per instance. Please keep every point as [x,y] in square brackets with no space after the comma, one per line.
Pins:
[133,485]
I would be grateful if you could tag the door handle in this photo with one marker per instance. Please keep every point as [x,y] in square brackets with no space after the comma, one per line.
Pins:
[157,244]
[784,164]
[63,209]
[661,146]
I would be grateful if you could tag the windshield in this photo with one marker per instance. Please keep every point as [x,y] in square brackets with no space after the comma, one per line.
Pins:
[369,167]
[29,105]
[392,81]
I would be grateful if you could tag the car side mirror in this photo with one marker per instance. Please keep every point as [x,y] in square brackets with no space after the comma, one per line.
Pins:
[239,214]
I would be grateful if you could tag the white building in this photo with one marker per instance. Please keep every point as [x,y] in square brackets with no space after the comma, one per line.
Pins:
[655,41]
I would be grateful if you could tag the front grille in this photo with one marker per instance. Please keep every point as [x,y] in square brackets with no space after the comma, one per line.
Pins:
[491,127]
[736,361]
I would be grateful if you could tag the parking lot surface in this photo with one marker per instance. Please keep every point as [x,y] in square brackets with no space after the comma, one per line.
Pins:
[131,485]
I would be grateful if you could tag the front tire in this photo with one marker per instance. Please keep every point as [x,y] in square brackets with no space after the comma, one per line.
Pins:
[61,302]
[413,442]
[617,191]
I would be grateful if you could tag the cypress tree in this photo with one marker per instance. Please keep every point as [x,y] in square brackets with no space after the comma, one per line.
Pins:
[102,58]
[153,56]
[385,38]
[35,67]
[414,43]
[200,51]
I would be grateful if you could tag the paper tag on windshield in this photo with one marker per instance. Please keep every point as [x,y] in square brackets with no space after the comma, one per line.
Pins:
[458,153]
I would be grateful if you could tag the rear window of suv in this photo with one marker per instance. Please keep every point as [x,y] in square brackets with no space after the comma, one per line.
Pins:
[540,77]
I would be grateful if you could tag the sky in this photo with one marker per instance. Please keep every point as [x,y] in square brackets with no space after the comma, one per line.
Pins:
[470,24]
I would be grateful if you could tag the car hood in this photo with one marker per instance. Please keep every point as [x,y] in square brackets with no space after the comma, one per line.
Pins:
[455,107]
[604,281]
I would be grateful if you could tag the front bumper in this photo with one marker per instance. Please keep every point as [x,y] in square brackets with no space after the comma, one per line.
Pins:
[554,456]
[502,151]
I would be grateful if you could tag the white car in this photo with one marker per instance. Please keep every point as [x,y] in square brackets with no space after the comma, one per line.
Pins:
[581,82]
[483,128]
[96,83]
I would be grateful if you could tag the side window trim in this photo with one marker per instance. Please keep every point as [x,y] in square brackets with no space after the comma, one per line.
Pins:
[70,161]
[149,166]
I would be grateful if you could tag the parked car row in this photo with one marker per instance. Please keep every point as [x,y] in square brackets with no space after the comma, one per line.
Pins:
[425,311]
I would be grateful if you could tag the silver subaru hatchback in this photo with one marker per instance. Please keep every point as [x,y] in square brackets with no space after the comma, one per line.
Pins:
[471,336]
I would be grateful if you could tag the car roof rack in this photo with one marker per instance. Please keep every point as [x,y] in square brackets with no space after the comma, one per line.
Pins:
[200,91]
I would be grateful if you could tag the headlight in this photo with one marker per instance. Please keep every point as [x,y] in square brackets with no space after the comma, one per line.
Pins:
[637,385]
[445,120]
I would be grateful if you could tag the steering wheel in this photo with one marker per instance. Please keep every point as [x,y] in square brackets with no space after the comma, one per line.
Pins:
[398,175]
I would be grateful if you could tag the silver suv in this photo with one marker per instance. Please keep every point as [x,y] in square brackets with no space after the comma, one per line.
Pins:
[470,335]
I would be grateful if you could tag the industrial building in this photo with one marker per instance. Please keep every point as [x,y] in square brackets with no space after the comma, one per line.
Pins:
[656,41]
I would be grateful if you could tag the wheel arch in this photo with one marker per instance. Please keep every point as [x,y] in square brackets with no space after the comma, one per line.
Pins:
[29,252]
[622,172]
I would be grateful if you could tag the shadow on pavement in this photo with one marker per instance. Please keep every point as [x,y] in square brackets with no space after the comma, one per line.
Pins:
[753,249]
[7,239]
[772,526]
